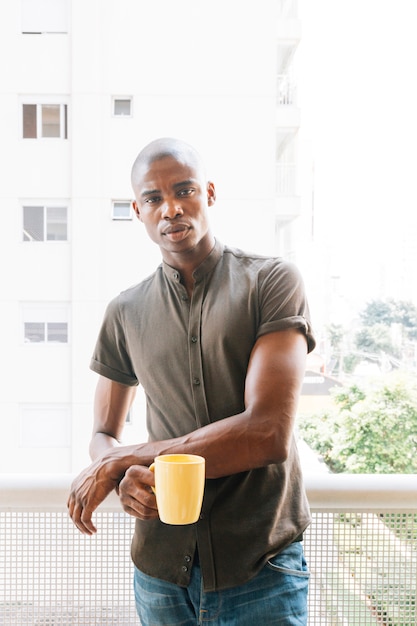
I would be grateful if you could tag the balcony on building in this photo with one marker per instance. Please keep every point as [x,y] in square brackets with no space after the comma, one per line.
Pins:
[288,119]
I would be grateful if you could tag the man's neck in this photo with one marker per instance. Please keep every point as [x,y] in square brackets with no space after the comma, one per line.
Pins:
[187,262]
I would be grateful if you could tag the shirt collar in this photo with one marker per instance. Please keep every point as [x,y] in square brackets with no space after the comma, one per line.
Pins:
[202,270]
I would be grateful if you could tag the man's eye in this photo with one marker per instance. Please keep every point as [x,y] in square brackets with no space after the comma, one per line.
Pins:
[152,200]
[186,192]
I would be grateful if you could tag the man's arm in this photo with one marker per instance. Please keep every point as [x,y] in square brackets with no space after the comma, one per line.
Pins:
[258,436]
[112,402]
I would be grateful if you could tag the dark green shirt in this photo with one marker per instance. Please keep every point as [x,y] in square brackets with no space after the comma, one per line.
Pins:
[191,357]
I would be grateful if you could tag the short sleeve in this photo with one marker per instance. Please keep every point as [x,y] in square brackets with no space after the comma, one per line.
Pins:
[283,301]
[111,356]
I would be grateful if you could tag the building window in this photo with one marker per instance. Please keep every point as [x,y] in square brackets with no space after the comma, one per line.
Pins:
[44,16]
[44,121]
[45,324]
[45,426]
[121,210]
[46,332]
[122,106]
[45,223]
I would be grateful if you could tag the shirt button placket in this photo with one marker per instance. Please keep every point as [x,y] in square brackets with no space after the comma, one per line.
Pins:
[187,559]
[196,364]
[196,380]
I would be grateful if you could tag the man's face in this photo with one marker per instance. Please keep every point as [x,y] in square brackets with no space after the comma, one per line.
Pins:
[172,198]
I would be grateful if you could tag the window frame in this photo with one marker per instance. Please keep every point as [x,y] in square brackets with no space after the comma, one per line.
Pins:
[45,205]
[45,314]
[39,125]
[121,218]
[113,106]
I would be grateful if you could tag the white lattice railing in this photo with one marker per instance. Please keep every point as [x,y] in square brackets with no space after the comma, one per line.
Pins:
[361,549]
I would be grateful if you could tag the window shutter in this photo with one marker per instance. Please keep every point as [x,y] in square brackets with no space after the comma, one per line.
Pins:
[29,121]
[33,223]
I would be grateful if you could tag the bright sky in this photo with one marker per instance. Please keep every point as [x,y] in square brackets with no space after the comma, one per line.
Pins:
[358,98]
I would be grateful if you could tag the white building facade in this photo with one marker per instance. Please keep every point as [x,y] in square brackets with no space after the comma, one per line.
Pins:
[87,84]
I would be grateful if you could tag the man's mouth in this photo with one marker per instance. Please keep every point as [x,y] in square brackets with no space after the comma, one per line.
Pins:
[177,232]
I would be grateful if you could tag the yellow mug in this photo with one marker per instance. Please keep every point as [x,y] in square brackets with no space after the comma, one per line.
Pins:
[179,487]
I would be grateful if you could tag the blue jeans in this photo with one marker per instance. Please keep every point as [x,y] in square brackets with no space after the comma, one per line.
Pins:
[276,596]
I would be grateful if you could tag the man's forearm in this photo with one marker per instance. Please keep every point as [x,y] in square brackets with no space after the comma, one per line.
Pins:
[100,444]
[234,444]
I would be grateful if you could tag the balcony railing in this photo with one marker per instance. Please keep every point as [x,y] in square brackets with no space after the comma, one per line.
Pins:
[286,179]
[286,90]
[361,549]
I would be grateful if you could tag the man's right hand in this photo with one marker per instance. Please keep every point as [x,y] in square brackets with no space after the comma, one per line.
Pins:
[136,495]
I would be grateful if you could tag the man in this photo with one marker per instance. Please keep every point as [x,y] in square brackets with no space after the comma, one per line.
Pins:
[218,339]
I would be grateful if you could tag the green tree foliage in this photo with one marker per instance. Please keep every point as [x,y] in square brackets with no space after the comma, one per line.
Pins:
[377,312]
[387,332]
[386,335]
[371,430]
[375,339]
[405,313]
[335,333]
[389,312]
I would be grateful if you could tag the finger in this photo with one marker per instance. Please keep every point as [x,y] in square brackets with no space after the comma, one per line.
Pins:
[81,517]
[139,474]
[82,520]
[140,499]
[85,521]
[137,498]
[143,513]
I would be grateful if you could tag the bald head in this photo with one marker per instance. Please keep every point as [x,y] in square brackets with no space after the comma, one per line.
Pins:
[172,197]
[162,148]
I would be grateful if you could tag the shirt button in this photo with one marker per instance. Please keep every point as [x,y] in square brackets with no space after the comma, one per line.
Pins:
[187,558]
[196,381]
[193,339]
[175,275]
[184,568]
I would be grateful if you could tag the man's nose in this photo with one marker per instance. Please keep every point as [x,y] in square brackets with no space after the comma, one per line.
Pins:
[171,209]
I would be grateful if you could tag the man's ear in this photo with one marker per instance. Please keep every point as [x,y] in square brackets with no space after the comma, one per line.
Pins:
[211,193]
[136,209]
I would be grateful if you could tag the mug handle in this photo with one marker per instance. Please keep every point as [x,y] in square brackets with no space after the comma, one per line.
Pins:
[152,468]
